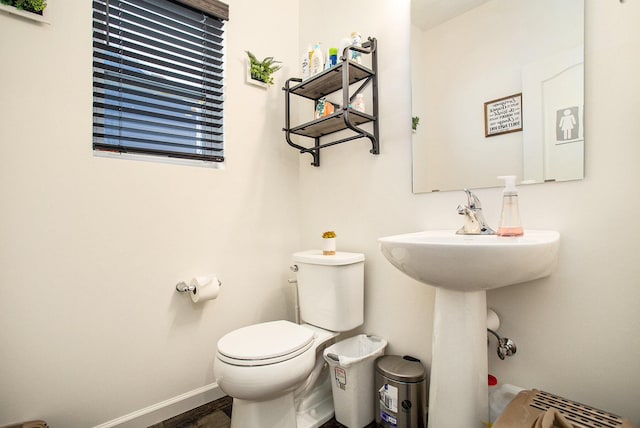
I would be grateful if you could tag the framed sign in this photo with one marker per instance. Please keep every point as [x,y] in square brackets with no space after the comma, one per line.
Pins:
[503,115]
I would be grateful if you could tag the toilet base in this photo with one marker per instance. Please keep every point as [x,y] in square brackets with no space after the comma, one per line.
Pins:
[313,410]
[316,407]
[309,404]
[278,412]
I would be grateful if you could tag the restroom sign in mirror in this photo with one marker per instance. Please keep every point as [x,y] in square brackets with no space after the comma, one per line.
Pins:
[503,115]
[569,125]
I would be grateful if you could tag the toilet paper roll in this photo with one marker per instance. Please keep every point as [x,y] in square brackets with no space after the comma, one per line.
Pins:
[204,288]
[493,322]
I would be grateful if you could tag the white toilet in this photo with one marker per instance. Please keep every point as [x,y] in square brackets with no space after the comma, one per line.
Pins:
[275,370]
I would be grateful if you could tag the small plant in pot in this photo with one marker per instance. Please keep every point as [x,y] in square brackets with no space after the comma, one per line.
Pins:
[34,6]
[415,121]
[262,71]
[329,243]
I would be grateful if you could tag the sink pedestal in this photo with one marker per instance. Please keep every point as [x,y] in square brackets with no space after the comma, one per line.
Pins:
[458,393]
[462,268]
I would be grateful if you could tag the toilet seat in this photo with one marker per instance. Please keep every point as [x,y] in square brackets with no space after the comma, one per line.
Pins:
[265,343]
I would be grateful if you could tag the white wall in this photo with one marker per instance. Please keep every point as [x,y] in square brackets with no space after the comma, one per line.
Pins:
[577,331]
[91,327]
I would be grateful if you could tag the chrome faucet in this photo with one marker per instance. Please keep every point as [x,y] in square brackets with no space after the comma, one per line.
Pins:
[474,222]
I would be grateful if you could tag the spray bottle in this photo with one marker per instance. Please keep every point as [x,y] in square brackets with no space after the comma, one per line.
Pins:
[510,224]
[306,63]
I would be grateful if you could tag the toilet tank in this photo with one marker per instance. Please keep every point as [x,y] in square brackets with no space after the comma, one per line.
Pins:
[331,289]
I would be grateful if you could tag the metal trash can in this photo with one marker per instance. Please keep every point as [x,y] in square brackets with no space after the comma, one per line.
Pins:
[401,389]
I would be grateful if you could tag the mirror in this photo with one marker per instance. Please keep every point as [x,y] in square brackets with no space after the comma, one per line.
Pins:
[498,87]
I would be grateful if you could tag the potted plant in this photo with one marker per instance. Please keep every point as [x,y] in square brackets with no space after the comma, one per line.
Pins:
[262,71]
[415,120]
[33,6]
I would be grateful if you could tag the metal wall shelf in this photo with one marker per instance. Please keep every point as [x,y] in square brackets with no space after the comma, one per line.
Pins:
[337,78]
[330,124]
[330,81]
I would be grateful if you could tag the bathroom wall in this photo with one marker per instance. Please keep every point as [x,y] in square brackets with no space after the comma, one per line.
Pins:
[91,327]
[577,331]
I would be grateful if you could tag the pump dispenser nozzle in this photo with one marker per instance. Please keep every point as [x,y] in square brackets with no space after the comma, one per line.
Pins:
[510,224]
[509,184]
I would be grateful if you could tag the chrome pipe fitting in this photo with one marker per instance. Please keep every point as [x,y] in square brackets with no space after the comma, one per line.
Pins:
[506,347]
[183,287]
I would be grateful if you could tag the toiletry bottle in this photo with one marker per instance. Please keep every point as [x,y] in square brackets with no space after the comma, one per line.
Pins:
[327,63]
[306,64]
[317,60]
[356,40]
[358,103]
[333,57]
[329,109]
[320,108]
[344,43]
[510,224]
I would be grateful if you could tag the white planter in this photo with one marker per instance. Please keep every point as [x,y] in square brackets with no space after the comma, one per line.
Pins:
[23,13]
[328,246]
[252,81]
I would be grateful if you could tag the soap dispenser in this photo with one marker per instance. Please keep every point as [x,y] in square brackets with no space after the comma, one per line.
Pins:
[510,224]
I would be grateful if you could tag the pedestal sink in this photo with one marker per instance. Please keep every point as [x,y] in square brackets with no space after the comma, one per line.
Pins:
[463,267]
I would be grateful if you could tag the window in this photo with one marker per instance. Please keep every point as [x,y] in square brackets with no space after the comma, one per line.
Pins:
[157,78]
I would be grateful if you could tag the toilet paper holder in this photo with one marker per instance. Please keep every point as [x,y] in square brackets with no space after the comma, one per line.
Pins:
[183,287]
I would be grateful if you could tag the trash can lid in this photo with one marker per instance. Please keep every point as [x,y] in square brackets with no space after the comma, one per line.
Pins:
[402,369]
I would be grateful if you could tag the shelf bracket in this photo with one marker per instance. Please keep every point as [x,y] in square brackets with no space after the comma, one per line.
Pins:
[315,152]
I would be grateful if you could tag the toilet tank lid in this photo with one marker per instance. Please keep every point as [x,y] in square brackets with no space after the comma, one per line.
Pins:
[317,258]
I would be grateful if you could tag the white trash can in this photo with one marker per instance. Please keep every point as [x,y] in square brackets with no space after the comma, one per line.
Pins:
[352,372]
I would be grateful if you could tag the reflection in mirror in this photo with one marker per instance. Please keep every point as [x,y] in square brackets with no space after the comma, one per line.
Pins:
[477,52]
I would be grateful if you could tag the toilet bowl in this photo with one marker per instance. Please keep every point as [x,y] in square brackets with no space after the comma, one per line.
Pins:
[263,383]
[274,370]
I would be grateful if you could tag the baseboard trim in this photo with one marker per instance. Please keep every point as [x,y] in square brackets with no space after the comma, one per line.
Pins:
[166,409]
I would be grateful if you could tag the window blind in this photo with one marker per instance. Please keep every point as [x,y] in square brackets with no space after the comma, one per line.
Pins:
[157,79]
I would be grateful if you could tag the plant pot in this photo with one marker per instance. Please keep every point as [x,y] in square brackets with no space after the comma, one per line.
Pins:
[251,80]
[328,246]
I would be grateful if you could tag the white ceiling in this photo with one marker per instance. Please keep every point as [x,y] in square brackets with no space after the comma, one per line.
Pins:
[426,14]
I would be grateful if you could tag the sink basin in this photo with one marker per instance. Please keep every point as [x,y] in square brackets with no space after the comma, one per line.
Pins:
[472,262]
[462,268]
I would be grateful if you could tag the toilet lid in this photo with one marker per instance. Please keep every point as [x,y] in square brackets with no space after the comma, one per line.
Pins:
[265,343]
